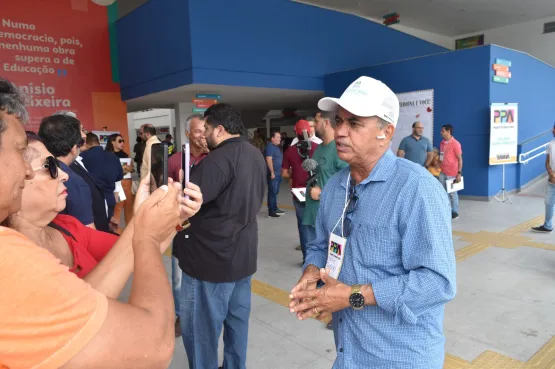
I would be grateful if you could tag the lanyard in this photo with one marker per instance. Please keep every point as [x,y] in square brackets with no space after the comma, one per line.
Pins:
[347,202]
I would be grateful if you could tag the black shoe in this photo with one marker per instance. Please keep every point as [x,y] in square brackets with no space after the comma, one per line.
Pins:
[273,215]
[280,212]
[541,229]
[454,215]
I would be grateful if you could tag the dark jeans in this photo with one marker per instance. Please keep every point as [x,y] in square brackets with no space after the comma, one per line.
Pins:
[303,231]
[273,190]
[204,308]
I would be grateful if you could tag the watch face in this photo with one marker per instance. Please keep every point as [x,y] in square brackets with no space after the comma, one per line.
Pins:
[356,300]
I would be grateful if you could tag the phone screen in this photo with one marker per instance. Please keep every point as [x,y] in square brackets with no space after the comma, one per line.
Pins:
[158,166]
[185,164]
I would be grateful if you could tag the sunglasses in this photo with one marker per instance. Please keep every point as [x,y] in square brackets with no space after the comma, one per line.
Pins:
[353,199]
[52,165]
[121,141]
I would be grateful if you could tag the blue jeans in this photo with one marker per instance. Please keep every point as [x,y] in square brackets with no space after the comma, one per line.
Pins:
[303,231]
[549,206]
[205,307]
[176,283]
[273,190]
[453,196]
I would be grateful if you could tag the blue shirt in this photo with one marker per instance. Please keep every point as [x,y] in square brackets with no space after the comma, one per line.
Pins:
[105,168]
[79,199]
[401,244]
[275,153]
[416,150]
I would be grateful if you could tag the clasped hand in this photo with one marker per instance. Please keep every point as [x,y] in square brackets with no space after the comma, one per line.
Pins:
[307,301]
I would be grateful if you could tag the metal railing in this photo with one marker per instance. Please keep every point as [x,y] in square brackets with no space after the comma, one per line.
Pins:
[521,157]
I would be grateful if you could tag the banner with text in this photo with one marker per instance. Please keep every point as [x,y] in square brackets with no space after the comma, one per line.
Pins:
[58,53]
[415,106]
[503,142]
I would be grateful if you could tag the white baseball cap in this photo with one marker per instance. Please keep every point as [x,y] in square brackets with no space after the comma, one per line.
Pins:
[366,97]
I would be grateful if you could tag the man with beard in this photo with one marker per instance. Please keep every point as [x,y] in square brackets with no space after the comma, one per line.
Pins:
[416,147]
[218,252]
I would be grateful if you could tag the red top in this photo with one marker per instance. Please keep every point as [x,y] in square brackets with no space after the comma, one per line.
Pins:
[174,163]
[87,245]
[292,159]
[450,150]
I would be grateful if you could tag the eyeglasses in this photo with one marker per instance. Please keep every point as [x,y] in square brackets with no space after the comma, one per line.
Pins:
[121,141]
[353,199]
[52,165]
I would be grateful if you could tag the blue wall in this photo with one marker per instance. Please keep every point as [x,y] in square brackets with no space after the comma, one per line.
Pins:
[532,87]
[154,48]
[260,43]
[461,97]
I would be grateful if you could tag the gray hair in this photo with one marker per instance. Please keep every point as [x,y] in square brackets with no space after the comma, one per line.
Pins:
[382,123]
[12,102]
[190,118]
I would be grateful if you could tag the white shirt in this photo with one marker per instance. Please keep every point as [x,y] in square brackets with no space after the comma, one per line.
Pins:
[551,152]
[314,139]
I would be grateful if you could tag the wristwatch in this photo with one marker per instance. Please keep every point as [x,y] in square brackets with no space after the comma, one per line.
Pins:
[356,300]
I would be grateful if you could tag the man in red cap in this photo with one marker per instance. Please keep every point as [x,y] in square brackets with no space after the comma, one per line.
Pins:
[292,168]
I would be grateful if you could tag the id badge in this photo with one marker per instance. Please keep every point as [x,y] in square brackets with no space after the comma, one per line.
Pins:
[336,255]
[441,156]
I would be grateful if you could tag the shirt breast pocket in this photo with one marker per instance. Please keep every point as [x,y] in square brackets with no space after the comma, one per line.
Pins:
[378,246]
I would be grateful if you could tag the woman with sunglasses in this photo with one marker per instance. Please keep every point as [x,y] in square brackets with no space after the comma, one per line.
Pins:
[116,145]
[79,247]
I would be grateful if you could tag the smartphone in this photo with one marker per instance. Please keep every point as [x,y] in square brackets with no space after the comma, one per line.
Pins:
[185,164]
[158,166]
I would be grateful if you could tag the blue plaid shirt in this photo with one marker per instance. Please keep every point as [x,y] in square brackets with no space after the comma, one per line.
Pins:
[400,242]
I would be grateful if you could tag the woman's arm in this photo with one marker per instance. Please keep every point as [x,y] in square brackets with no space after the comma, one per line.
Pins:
[111,274]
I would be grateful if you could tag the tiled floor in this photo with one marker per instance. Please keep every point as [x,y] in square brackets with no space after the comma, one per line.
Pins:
[502,317]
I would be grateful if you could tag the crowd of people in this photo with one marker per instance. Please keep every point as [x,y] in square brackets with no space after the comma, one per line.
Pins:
[375,231]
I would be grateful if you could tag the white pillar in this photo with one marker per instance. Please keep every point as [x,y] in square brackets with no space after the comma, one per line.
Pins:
[182,112]
[268,127]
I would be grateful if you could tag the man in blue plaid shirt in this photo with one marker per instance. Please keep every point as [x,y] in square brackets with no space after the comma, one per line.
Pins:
[383,233]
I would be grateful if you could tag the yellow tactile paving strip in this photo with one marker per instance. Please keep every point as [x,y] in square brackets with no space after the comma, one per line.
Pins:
[480,241]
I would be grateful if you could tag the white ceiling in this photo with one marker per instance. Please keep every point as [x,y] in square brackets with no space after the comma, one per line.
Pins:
[242,98]
[446,17]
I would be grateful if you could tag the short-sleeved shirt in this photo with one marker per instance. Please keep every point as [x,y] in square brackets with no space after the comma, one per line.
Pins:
[449,150]
[551,153]
[48,315]
[274,152]
[79,199]
[292,159]
[328,164]
[87,245]
[416,150]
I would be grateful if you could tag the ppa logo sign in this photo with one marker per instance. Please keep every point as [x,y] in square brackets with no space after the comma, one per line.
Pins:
[504,116]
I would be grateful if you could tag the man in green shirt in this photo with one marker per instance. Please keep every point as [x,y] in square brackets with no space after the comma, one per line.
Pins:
[328,164]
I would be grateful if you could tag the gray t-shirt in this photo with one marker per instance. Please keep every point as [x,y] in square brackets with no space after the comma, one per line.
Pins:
[416,150]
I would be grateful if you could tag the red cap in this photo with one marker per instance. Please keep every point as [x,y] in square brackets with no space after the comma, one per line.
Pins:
[302,125]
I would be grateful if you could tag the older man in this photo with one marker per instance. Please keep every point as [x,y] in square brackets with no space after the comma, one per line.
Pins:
[148,134]
[383,232]
[53,319]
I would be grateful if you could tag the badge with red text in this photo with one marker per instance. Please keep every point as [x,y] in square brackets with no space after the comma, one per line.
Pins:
[336,254]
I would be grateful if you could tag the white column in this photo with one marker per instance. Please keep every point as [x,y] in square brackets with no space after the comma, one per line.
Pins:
[268,127]
[182,112]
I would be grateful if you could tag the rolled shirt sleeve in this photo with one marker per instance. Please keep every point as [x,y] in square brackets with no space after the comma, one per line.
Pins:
[427,255]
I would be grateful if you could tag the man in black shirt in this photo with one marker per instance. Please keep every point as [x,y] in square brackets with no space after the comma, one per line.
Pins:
[218,252]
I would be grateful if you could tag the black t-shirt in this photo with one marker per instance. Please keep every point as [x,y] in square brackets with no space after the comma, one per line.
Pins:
[223,237]
[121,154]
